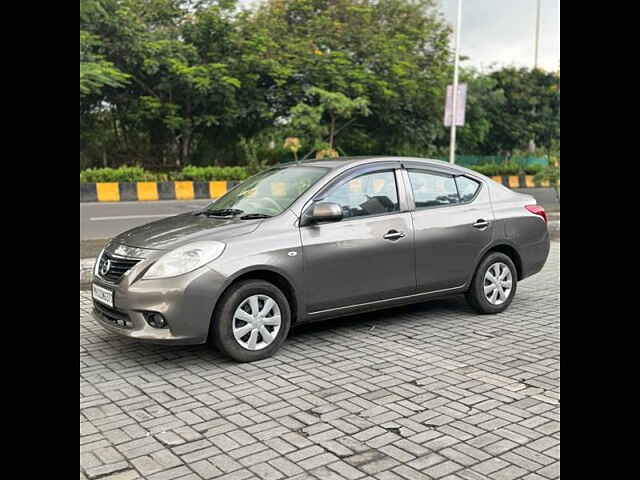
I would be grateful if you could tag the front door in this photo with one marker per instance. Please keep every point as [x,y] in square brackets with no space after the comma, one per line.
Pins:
[366,257]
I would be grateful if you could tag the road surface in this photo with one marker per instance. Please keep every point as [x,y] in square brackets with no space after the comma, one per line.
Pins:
[105,220]
[101,221]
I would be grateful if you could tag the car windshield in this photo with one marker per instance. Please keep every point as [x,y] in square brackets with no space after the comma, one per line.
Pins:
[269,193]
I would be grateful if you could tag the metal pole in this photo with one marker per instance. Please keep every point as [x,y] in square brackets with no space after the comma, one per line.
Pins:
[538,34]
[456,73]
[532,143]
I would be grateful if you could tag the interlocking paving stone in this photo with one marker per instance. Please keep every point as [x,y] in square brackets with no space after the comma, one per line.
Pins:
[426,391]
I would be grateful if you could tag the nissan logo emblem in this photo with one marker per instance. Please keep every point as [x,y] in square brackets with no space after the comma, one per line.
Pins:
[106,266]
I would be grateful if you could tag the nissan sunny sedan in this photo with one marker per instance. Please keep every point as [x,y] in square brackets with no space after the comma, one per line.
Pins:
[319,240]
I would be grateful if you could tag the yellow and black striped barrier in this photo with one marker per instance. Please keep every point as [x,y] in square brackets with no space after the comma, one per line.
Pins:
[152,191]
[520,181]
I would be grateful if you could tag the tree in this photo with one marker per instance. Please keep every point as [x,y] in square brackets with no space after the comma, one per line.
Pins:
[506,109]
[320,119]
[180,85]
[164,83]
[95,72]
[394,53]
[531,109]
[485,101]
[177,81]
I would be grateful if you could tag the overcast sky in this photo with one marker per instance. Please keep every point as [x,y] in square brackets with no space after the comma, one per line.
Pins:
[503,31]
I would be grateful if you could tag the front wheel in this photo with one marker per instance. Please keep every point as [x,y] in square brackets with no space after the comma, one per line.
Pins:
[494,284]
[251,322]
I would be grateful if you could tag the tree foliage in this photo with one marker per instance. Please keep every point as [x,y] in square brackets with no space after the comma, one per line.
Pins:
[95,72]
[166,83]
[531,110]
[318,116]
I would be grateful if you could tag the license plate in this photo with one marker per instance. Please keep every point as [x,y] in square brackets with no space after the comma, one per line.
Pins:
[103,295]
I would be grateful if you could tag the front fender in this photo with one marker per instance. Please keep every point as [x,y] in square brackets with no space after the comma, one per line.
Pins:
[235,273]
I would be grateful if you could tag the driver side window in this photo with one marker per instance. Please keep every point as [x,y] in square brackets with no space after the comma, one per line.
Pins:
[369,194]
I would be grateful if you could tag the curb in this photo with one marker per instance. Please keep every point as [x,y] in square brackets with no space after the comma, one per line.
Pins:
[153,191]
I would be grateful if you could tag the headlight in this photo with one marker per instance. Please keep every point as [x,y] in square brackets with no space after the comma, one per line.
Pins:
[185,259]
[96,267]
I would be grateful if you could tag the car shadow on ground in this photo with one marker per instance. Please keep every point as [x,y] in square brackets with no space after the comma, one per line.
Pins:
[385,317]
[309,334]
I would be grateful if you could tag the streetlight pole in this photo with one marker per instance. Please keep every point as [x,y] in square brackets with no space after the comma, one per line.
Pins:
[538,34]
[456,74]
[532,143]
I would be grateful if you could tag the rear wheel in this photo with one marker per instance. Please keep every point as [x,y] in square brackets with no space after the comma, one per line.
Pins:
[494,284]
[251,322]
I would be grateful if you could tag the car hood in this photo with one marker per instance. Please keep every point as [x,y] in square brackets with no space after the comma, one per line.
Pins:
[170,233]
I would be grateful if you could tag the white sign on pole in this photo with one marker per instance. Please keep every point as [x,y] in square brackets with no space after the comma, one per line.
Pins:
[461,106]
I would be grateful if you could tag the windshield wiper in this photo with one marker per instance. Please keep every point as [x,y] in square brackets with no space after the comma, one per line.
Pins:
[226,212]
[255,216]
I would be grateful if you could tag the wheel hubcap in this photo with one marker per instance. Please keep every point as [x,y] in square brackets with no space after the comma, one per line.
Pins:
[257,322]
[498,283]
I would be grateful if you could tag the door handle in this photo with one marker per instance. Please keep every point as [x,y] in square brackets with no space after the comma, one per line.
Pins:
[481,224]
[394,235]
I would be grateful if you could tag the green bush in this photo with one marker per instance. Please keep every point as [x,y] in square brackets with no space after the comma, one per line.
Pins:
[533,169]
[490,169]
[122,174]
[211,174]
[506,169]
[138,174]
[549,174]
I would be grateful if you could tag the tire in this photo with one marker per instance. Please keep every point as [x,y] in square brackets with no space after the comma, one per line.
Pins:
[476,295]
[227,315]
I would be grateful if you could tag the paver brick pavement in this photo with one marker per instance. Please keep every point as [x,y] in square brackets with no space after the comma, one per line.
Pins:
[431,391]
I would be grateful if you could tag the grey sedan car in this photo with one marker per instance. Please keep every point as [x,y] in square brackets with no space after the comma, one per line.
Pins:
[314,241]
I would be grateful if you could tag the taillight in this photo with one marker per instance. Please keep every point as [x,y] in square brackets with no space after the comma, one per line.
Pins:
[538,210]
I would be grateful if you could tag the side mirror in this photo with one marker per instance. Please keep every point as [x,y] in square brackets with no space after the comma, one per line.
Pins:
[324,212]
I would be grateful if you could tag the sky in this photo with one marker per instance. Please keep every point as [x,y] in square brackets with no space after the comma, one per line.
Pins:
[502,32]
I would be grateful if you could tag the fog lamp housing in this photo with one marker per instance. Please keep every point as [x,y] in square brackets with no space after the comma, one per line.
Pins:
[155,320]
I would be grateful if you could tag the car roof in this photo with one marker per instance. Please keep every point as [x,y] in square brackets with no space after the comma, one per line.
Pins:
[338,163]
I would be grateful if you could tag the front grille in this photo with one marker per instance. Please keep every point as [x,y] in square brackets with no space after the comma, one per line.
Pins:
[111,315]
[118,267]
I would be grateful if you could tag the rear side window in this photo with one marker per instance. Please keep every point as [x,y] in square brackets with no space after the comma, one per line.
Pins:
[433,190]
[468,188]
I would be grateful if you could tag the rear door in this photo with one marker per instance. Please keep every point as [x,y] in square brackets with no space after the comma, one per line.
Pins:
[453,222]
[369,255]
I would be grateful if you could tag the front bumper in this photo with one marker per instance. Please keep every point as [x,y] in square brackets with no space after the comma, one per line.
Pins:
[186,302]
[138,329]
